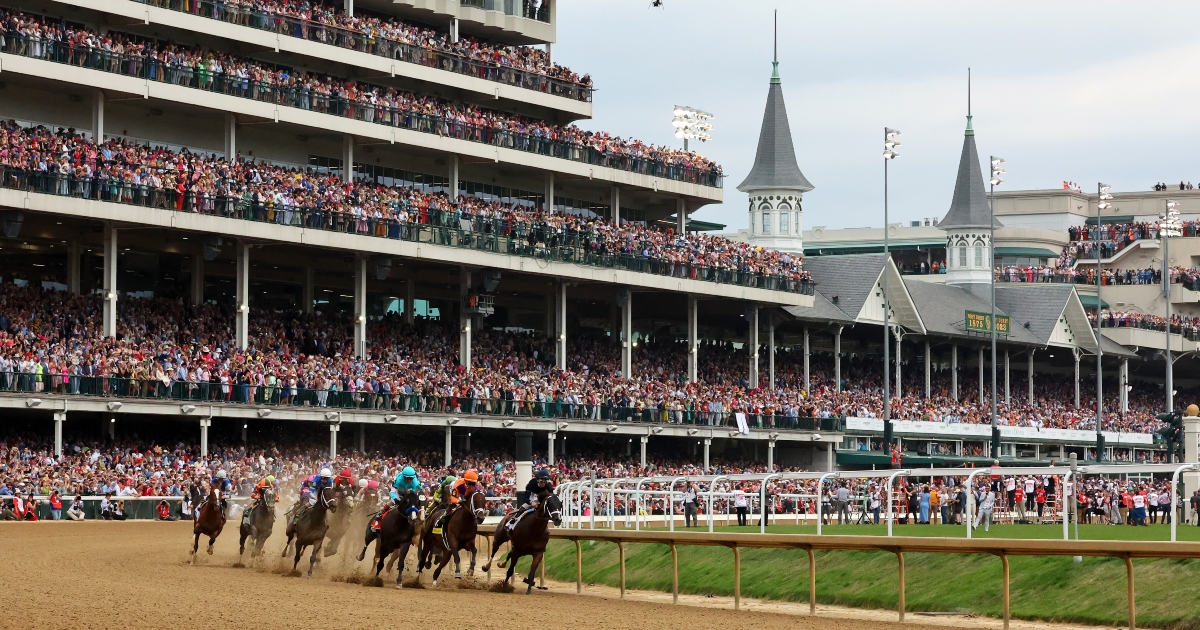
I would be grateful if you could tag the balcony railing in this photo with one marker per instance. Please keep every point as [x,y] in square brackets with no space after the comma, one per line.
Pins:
[324,102]
[206,392]
[448,229]
[374,44]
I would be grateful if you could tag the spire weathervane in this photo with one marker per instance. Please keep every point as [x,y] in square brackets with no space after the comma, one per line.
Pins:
[775,58]
[970,129]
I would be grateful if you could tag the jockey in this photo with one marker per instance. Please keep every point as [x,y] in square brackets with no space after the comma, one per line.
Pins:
[344,478]
[464,486]
[441,494]
[223,485]
[406,481]
[324,479]
[538,487]
[263,484]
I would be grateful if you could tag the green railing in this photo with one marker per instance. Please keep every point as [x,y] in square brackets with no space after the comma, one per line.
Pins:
[333,101]
[450,229]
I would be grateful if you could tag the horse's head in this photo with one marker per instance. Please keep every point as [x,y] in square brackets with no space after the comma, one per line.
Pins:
[552,508]
[478,505]
[329,498]
[268,498]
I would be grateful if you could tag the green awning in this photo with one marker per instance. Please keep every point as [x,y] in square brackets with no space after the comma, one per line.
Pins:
[693,225]
[1111,220]
[811,249]
[1089,301]
[1032,252]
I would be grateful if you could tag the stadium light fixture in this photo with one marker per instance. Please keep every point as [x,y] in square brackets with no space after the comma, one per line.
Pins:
[997,169]
[890,142]
[1102,197]
[1169,225]
[691,124]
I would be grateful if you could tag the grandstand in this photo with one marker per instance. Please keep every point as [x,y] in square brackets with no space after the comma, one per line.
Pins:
[381,216]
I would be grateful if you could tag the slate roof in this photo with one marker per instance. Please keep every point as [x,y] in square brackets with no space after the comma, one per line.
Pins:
[943,308]
[969,207]
[849,278]
[821,310]
[1039,305]
[775,162]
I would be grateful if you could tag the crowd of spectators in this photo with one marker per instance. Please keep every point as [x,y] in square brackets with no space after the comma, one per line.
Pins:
[1187,326]
[34,36]
[1112,238]
[383,35]
[1087,275]
[123,170]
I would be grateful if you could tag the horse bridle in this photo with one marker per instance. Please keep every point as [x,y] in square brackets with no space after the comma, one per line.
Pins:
[549,514]
[474,510]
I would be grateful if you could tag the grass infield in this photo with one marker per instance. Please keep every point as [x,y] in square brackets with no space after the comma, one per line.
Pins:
[1048,588]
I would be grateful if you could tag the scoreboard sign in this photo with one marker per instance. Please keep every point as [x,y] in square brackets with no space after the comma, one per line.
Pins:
[982,322]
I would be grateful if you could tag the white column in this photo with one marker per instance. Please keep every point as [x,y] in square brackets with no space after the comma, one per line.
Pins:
[465,319]
[333,431]
[928,370]
[549,205]
[981,375]
[1191,455]
[309,293]
[550,448]
[807,358]
[348,7]
[1031,376]
[645,439]
[550,52]
[73,267]
[693,333]
[771,352]
[447,459]
[954,372]
[616,205]
[198,277]
[230,136]
[110,281]
[204,424]
[829,465]
[454,29]
[360,307]
[1124,393]
[1007,380]
[454,185]
[626,303]
[98,116]
[837,358]
[59,418]
[681,216]
[752,344]
[348,157]
[771,456]
[1075,353]
[242,287]
[560,325]
[707,446]
[897,392]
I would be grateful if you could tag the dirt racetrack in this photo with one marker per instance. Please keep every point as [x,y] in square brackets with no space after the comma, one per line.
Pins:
[135,575]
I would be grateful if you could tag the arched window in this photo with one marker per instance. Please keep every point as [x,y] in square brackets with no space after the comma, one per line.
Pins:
[785,218]
[979,248]
[766,223]
[962,255]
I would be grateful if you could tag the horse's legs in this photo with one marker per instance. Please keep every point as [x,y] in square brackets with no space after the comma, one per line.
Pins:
[512,566]
[288,546]
[367,543]
[195,547]
[379,560]
[211,541]
[446,555]
[537,559]
[299,550]
[313,560]
[457,570]
[403,552]
[242,545]
[471,569]
[495,544]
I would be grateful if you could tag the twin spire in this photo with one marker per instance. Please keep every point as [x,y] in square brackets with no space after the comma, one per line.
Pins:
[969,206]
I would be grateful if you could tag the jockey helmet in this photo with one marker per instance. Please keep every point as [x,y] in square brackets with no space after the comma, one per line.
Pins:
[542,473]
[471,476]
[362,483]
[325,472]
[221,474]
[346,473]
[408,472]
[449,479]
[270,478]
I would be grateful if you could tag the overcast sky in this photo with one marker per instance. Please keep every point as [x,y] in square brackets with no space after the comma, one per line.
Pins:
[1065,90]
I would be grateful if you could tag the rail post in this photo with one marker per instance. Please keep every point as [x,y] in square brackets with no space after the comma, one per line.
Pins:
[1132,604]
[674,574]
[1175,496]
[1007,591]
[578,567]
[971,496]
[670,511]
[762,503]
[737,578]
[900,558]
[891,513]
[712,502]
[621,556]
[812,583]
[820,499]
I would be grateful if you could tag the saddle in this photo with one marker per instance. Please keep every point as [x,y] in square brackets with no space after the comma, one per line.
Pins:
[376,519]
[512,522]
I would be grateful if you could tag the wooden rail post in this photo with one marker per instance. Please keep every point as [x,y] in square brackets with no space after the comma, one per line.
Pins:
[812,583]
[674,574]
[1132,604]
[1007,592]
[578,567]
[737,578]
[900,558]
[621,555]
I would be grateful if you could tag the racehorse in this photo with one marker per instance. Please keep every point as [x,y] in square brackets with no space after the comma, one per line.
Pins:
[208,520]
[340,523]
[309,528]
[257,525]
[395,535]
[458,532]
[529,537]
